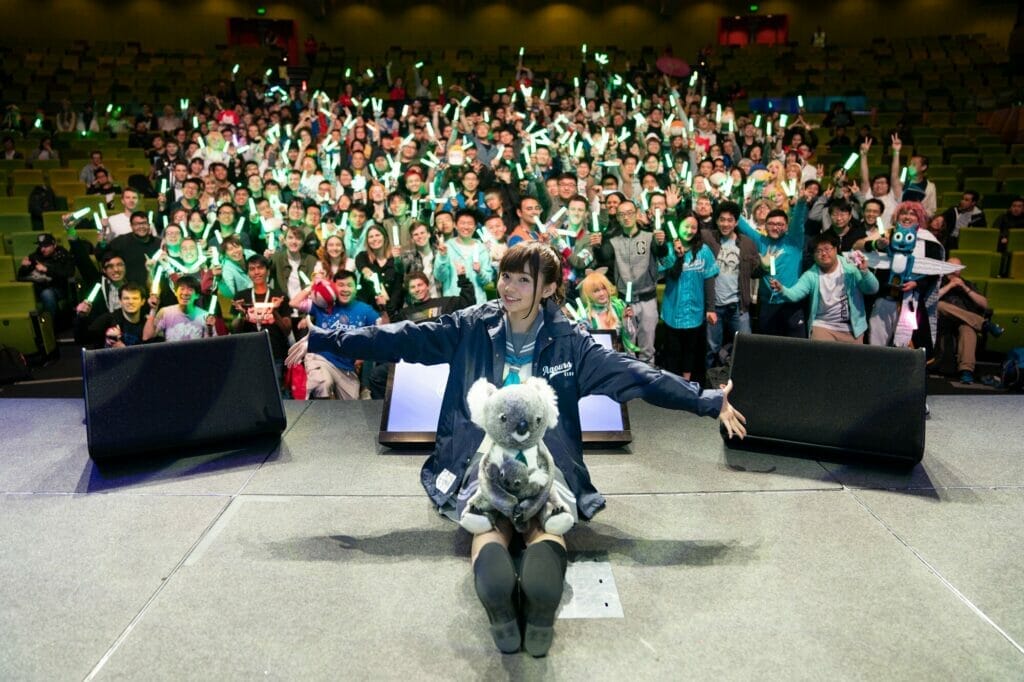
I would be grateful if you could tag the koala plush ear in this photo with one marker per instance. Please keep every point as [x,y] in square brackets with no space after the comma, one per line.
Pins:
[548,396]
[476,399]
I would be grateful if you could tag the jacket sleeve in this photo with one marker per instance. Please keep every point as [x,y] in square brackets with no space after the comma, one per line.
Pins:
[428,343]
[800,290]
[622,378]
[748,230]
[797,219]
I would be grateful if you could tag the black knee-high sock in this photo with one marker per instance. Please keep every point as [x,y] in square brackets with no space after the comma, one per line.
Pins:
[495,579]
[542,579]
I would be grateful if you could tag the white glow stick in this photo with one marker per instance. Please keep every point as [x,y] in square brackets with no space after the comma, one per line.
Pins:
[99,224]
[903,175]
[558,215]
[657,220]
[783,119]
[81,213]
[850,161]
[672,231]
[595,225]
[213,304]
[800,101]
[629,292]
[771,264]
[103,210]
[303,278]
[394,235]
[757,121]
[769,129]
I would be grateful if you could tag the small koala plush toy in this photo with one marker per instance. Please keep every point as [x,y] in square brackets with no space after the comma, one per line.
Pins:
[516,469]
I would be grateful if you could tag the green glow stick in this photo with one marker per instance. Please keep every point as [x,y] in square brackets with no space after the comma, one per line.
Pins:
[234,71]
[693,79]
[703,102]
[96,219]
[303,278]
[418,65]
[521,50]
[93,294]
[103,211]
[757,121]
[629,292]
[440,80]
[269,71]
[369,72]
[850,161]
[213,304]
[110,107]
[800,101]
[672,231]
[155,288]
[769,130]
[584,48]
[903,175]
[783,119]
[595,225]
[80,213]
[718,114]
[195,122]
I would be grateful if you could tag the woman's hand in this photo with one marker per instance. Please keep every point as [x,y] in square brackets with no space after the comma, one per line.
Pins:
[730,417]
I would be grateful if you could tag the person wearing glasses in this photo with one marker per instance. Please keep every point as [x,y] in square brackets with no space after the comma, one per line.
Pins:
[836,287]
[135,248]
[638,255]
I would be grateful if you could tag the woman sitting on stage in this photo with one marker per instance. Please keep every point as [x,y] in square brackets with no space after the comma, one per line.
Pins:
[522,333]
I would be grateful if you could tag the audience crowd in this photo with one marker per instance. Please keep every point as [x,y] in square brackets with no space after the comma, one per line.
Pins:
[679,220]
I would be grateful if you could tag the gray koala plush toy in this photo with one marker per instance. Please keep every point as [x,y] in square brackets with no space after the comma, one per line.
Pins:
[516,469]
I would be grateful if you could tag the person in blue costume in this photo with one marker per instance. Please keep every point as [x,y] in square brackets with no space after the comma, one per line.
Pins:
[521,334]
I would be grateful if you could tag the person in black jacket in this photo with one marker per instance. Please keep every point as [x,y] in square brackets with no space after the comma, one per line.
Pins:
[49,268]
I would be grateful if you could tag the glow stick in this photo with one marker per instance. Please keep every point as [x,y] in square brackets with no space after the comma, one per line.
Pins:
[268,72]
[686,167]
[99,225]
[418,65]
[657,220]
[150,214]
[769,130]
[440,81]
[155,288]
[850,161]
[672,231]
[103,211]
[213,305]
[629,292]
[80,213]
[163,186]
[595,225]
[800,101]
[519,172]
[668,161]
[693,79]
[241,224]
[576,82]
[521,50]
[215,256]
[558,215]
[430,131]
[394,235]
[903,175]
[348,72]
[209,226]
[303,278]
[757,121]
[718,114]
[571,314]
[783,119]
[234,71]
[252,206]
[703,102]
[202,142]
[272,241]
[369,72]
[195,122]
[771,264]
[584,48]
[94,293]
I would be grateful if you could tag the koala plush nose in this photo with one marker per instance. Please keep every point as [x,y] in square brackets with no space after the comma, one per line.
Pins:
[522,427]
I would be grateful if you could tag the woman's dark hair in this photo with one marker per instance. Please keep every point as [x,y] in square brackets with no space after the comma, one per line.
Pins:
[533,258]
[230,239]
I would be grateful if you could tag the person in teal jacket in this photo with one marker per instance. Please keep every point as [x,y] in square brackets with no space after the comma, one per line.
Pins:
[690,269]
[781,251]
[836,287]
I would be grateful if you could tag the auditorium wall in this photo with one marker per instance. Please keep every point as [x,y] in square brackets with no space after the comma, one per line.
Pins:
[364,27]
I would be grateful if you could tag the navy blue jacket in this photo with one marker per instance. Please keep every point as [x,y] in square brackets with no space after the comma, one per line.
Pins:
[473,341]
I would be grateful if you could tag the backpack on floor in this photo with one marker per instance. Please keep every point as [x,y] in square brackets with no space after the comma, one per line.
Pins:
[12,366]
[1013,370]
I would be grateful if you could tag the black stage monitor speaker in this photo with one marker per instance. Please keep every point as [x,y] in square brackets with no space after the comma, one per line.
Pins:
[844,401]
[173,397]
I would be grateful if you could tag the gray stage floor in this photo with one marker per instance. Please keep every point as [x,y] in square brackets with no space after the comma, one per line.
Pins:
[320,559]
